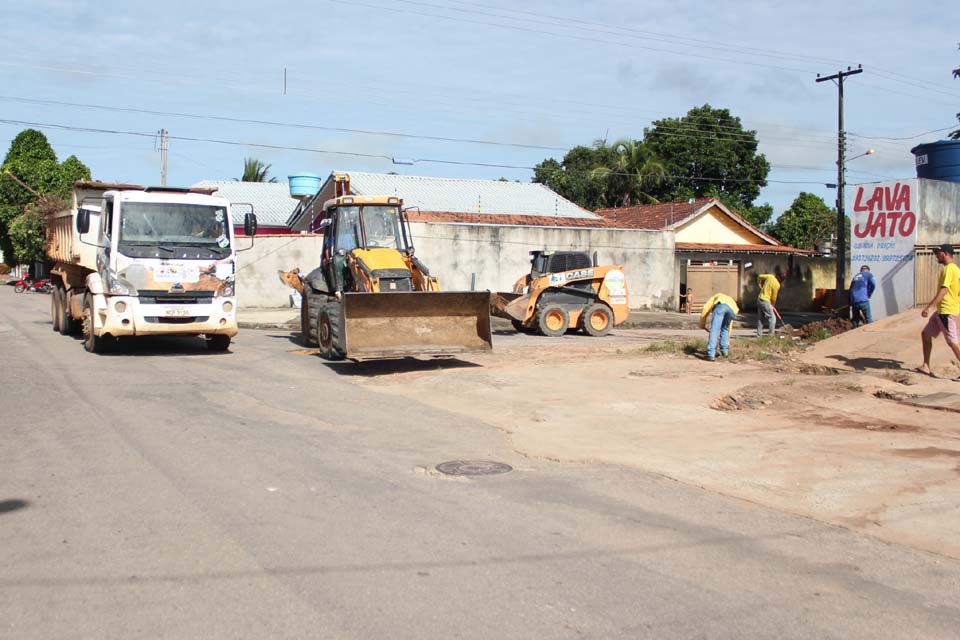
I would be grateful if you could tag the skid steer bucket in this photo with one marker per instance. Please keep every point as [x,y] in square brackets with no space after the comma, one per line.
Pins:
[395,325]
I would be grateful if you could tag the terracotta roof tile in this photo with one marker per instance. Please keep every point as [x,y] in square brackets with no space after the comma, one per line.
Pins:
[652,216]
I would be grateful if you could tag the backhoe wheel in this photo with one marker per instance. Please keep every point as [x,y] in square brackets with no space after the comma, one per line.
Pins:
[597,319]
[55,304]
[92,343]
[218,342]
[328,332]
[518,326]
[552,320]
[308,320]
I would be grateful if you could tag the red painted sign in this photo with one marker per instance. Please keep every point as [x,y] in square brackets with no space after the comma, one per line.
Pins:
[889,214]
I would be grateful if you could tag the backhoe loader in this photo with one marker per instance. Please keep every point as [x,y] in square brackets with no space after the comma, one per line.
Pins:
[371,297]
[564,290]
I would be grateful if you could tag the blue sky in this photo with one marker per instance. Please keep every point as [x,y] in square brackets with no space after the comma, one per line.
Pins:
[534,78]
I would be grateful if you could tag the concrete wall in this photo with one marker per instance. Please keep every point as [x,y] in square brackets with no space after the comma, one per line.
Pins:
[258,285]
[497,255]
[798,292]
[939,213]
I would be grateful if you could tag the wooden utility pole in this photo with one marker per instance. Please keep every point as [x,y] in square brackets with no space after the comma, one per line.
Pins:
[841,171]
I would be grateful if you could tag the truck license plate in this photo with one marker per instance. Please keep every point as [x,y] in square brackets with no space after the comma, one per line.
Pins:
[178,312]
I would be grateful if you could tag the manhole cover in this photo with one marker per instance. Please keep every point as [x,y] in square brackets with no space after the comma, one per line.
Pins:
[473,468]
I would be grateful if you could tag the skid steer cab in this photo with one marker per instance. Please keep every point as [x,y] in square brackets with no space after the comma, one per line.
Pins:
[372,298]
[565,290]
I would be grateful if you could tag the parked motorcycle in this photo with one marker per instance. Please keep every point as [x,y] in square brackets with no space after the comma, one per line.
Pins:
[38,286]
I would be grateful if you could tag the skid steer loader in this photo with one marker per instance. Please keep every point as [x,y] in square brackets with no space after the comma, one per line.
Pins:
[371,297]
[564,290]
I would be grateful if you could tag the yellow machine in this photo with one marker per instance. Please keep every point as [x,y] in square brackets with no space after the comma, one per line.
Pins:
[565,289]
[371,297]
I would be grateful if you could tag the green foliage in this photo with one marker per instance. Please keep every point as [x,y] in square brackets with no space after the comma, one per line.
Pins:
[27,237]
[710,153]
[757,215]
[31,161]
[807,223]
[574,178]
[255,171]
[634,177]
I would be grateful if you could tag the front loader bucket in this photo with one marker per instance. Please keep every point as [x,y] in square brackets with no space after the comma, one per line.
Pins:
[395,325]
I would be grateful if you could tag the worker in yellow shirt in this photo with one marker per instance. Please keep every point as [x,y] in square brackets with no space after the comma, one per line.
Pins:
[769,284]
[947,302]
[724,310]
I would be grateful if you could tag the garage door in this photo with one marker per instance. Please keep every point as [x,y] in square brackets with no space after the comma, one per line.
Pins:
[926,276]
[709,278]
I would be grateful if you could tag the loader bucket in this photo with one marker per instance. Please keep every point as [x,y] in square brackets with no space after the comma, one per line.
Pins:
[396,325]
[499,302]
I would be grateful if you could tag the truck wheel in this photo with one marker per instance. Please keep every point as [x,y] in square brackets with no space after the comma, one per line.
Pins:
[328,332]
[91,342]
[308,320]
[55,304]
[552,320]
[218,342]
[68,325]
[597,319]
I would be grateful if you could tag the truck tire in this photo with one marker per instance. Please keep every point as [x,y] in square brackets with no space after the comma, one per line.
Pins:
[68,326]
[218,342]
[328,332]
[92,343]
[56,303]
[596,320]
[552,320]
[308,320]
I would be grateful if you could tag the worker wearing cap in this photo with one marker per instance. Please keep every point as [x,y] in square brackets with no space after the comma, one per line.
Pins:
[861,288]
[769,284]
[947,302]
[724,310]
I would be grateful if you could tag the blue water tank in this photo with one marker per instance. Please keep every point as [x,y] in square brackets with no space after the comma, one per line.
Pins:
[938,160]
[304,184]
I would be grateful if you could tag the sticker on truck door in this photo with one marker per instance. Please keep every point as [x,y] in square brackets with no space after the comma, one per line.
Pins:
[176,273]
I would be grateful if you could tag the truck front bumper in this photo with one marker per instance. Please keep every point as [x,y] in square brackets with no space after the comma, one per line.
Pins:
[126,316]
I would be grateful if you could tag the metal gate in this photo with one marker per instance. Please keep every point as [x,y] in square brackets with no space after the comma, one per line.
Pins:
[926,276]
[710,278]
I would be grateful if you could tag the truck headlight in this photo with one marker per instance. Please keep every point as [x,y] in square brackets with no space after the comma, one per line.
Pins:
[117,286]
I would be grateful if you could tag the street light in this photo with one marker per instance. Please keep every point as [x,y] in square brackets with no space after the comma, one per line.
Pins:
[868,152]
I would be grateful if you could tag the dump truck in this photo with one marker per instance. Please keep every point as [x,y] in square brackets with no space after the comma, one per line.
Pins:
[133,260]
[565,290]
[372,297]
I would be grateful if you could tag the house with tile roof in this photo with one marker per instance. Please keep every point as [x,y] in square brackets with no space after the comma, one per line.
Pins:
[271,201]
[718,251]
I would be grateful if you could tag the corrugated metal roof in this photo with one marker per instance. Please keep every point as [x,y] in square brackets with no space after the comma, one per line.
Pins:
[271,200]
[458,195]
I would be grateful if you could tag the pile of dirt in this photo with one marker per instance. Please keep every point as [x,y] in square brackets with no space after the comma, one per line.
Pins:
[825,328]
[744,400]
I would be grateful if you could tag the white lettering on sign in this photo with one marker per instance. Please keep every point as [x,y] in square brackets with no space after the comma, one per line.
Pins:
[566,276]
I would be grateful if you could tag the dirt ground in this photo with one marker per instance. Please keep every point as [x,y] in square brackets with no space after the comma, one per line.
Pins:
[808,433]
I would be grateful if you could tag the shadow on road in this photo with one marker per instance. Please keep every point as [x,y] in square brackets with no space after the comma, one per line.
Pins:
[405,365]
[6,506]
[862,364]
[159,346]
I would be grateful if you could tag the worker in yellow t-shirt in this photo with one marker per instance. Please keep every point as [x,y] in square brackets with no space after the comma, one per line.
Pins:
[724,310]
[947,302]
[769,284]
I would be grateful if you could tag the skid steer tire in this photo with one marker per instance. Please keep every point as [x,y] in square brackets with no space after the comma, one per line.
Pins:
[596,320]
[308,320]
[552,320]
[328,332]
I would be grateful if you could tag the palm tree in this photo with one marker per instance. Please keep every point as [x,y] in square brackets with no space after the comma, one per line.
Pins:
[634,174]
[255,171]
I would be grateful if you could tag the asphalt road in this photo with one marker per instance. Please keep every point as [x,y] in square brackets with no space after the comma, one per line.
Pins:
[168,492]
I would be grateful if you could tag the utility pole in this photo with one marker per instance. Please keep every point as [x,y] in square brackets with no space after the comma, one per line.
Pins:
[841,174]
[163,157]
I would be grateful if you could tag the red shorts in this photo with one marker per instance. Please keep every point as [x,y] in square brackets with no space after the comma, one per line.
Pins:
[940,323]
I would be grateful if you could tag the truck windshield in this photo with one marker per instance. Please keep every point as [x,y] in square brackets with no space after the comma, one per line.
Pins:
[196,229]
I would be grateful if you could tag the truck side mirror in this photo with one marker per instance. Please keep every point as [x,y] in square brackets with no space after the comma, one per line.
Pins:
[83,221]
[249,224]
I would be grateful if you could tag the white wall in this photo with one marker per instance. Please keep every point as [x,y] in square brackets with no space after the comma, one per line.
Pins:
[258,285]
[498,255]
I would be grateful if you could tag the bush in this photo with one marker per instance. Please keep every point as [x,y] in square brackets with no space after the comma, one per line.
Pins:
[4,269]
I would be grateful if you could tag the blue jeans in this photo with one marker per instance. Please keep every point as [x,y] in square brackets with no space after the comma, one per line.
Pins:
[720,328]
[864,309]
[765,315]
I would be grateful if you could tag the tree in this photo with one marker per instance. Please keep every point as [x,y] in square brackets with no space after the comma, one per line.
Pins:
[807,223]
[30,170]
[574,178]
[255,171]
[708,151]
[634,177]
